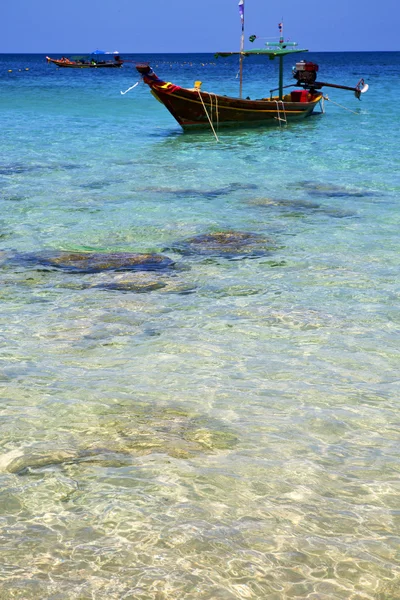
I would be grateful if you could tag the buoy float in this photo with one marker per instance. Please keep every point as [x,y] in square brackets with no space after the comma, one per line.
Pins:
[10,70]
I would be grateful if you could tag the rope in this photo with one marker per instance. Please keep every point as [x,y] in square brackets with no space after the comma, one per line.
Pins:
[341,106]
[131,88]
[208,117]
[216,110]
[216,107]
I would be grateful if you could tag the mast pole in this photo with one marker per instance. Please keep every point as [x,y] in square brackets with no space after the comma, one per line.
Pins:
[281,39]
[280,77]
[241,10]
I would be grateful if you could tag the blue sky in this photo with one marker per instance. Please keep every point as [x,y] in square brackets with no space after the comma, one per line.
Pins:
[194,25]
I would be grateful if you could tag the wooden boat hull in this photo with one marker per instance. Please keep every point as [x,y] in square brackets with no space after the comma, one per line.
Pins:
[76,65]
[194,109]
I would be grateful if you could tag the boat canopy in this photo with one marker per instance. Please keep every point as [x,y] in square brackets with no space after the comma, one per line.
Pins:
[272,49]
[271,52]
[104,52]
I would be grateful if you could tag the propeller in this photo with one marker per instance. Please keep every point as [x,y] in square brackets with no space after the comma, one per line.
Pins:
[361,88]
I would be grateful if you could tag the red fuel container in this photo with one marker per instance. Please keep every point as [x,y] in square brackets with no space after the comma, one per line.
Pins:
[299,96]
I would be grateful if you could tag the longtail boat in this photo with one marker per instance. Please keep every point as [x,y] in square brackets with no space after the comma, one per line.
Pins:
[84,63]
[194,108]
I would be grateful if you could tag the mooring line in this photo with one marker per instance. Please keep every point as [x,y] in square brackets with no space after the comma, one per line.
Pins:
[131,88]
[341,105]
[208,117]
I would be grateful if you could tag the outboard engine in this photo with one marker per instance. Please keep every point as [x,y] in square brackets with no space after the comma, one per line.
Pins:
[305,73]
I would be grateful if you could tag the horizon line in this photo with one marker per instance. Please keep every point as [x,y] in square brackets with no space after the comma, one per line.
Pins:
[181,52]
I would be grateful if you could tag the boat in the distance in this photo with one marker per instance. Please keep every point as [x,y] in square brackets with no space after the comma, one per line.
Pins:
[194,108]
[95,61]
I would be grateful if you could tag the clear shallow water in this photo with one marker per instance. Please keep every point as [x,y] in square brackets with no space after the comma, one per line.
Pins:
[233,432]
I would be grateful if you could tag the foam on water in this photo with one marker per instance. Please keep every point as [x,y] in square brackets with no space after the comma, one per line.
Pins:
[232,432]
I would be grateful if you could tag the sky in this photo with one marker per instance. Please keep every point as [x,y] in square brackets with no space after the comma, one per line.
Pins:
[160,26]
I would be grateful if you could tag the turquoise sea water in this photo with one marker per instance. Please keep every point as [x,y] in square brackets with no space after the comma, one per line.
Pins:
[227,428]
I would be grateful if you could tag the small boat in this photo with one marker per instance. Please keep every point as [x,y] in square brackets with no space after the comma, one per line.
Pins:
[196,109]
[91,62]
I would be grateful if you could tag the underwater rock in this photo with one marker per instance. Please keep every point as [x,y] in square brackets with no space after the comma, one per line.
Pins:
[211,193]
[305,204]
[330,190]
[99,184]
[128,282]
[27,460]
[212,440]
[227,244]
[304,320]
[293,318]
[135,282]
[19,461]
[177,434]
[151,430]
[14,198]
[4,256]
[338,213]
[232,187]
[95,262]
[19,168]
[95,185]
[302,206]
[70,166]
[13,169]
[179,287]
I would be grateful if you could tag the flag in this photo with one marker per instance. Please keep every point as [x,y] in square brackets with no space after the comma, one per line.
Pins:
[241,10]
[280,27]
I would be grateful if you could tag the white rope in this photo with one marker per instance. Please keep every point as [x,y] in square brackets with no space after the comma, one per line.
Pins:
[131,88]
[216,110]
[341,106]
[216,107]
[208,117]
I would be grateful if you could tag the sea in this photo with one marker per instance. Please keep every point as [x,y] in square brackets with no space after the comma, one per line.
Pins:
[199,338]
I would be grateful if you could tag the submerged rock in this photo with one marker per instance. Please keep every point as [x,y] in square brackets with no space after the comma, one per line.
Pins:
[330,190]
[15,168]
[176,434]
[95,262]
[128,282]
[203,193]
[302,206]
[95,185]
[172,432]
[14,198]
[211,439]
[138,283]
[228,244]
[20,168]
[19,461]
[4,256]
